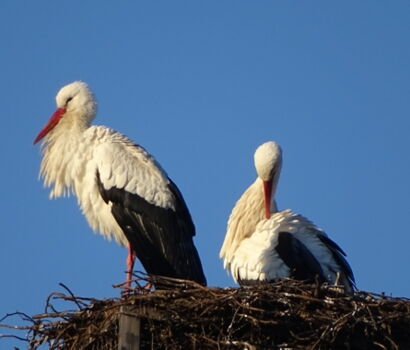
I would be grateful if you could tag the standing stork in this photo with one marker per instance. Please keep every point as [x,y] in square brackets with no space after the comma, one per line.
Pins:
[121,189]
[264,244]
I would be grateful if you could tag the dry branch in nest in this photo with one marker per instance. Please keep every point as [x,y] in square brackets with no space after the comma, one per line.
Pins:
[283,315]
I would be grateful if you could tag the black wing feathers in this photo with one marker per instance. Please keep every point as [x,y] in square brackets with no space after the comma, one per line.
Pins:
[301,261]
[339,256]
[161,238]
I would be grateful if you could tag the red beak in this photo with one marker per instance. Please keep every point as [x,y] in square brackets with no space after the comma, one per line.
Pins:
[55,118]
[267,188]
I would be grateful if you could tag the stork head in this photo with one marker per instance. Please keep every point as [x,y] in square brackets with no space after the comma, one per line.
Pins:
[268,163]
[76,105]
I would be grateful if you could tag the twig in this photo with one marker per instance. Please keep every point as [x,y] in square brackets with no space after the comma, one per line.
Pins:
[75,299]
[379,345]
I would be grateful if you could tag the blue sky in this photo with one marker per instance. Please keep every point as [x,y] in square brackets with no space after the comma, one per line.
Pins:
[201,84]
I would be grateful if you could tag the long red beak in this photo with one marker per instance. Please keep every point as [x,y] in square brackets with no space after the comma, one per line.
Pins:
[55,118]
[267,188]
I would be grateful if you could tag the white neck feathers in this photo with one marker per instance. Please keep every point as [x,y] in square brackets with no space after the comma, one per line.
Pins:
[60,151]
[248,211]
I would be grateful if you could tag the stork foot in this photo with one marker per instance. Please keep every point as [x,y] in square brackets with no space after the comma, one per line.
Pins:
[127,290]
[130,268]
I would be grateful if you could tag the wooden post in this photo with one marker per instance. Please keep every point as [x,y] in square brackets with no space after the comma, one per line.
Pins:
[128,329]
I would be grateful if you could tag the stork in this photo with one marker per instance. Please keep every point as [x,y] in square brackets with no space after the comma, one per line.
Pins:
[121,189]
[264,244]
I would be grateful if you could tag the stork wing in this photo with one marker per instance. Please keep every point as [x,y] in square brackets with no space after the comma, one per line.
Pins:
[150,210]
[339,256]
[307,239]
[303,265]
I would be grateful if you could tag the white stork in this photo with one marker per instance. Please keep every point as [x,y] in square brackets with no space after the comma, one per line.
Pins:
[121,189]
[264,244]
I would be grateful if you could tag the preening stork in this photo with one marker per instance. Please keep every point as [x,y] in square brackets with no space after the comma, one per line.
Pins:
[264,244]
[121,189]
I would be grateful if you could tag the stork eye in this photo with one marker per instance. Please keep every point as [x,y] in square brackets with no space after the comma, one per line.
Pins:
[68,100]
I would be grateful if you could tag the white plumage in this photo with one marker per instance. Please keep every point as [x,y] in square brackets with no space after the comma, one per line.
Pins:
[264,244]
[121,189]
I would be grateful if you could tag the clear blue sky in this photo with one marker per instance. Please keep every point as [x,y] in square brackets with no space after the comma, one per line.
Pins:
[201,84]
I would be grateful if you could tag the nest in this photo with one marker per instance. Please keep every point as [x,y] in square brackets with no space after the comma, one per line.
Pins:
[184,315]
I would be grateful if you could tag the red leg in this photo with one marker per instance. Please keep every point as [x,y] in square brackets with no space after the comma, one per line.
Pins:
[130,265]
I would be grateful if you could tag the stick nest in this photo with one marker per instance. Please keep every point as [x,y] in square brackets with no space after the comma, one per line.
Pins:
[184,315]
